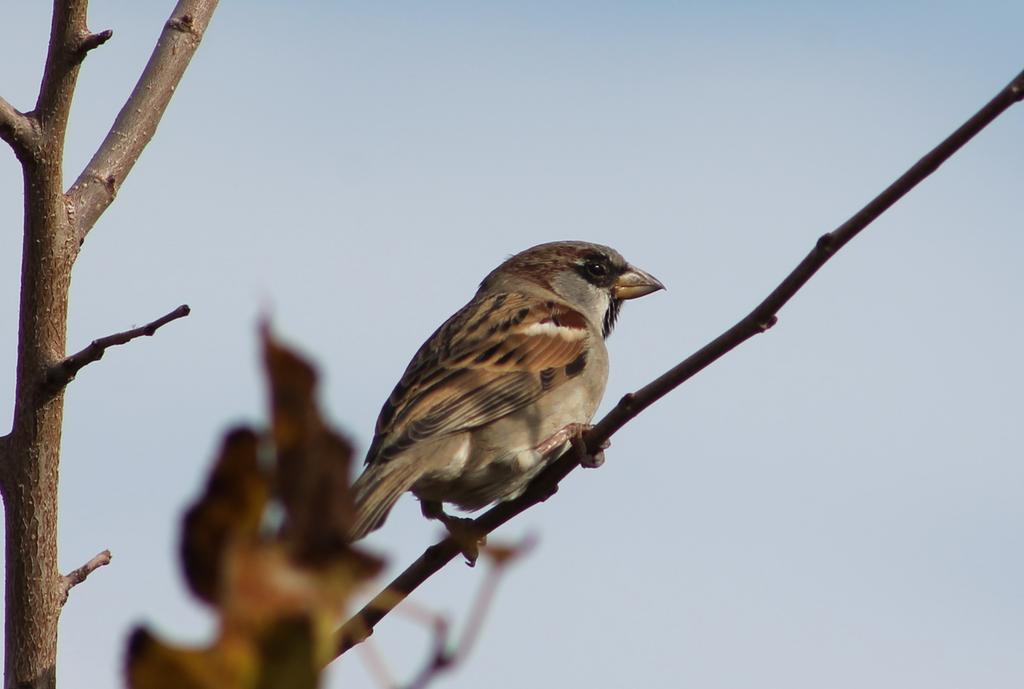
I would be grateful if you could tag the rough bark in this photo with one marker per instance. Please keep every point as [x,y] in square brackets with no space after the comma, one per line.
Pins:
[30,453]
[33,451]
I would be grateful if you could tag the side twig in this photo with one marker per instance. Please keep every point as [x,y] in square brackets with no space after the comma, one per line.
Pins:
[18,129]
[91,41]
[360,626]
[77,576]
[64,372]
[444,656]
[135,125]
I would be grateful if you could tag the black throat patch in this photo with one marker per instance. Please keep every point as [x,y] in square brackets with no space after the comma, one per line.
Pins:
[610,316]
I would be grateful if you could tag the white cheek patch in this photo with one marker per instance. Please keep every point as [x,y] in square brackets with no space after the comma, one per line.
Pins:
[549,328]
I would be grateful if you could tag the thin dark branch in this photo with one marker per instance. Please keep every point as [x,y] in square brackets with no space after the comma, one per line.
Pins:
[375,665]
[444,656]
[76,577]
[360,626]
[64,372]
[19,130]
[440,659]
[135,125]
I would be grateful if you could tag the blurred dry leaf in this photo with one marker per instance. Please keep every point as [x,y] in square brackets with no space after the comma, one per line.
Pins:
[313,461]
[281,657]
[230,510]
[503,554]
[280,597]
[265,583]
[288,658]
[155,665]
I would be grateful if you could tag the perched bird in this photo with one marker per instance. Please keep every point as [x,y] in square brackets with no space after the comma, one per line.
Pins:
[502,386]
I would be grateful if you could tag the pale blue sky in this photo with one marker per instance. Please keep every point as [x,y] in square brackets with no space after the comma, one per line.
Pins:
[836,504]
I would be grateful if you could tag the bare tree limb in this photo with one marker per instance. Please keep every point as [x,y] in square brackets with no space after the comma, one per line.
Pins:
[52,237]
[11,120]
[29,478]
[18,129]
[64,372]
[360,626]
[77,576]
[135,125]
[60,73]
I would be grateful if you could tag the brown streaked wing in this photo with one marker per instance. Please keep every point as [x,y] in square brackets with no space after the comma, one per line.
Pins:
[499,355]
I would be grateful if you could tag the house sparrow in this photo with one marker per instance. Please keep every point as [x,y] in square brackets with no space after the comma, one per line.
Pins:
[502,386]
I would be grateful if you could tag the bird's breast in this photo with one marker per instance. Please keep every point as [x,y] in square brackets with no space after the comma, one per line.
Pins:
[495,461]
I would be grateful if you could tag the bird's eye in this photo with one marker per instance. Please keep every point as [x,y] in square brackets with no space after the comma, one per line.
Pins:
[596,269]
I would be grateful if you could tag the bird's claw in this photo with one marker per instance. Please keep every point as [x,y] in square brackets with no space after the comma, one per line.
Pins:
[573,432]
[463,530]
[469,537]
[587,460]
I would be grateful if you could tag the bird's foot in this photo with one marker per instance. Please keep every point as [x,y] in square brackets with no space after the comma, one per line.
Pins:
[462,530]
[573,432]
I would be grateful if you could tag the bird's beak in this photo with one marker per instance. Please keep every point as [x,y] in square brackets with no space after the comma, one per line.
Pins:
[635,283]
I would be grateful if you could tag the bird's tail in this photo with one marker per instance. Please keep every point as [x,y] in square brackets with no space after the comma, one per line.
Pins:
[376,491]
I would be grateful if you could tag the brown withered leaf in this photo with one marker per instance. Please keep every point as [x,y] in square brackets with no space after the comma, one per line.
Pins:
[264,584]
[152,664]
[287,656]
[278,618]
[230,510]
[313,462]
[279,596]
[280,657]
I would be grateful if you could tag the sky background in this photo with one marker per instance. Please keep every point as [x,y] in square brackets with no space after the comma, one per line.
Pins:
[838,503]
